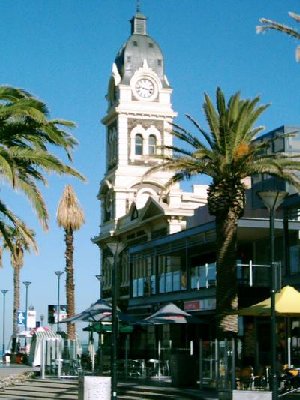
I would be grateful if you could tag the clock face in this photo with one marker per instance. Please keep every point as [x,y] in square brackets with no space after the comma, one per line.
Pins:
[144,88]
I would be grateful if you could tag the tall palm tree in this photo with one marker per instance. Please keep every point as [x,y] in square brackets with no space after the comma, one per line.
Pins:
[268,24]
[70,217]
[228,154]
[27,138]
[21,243]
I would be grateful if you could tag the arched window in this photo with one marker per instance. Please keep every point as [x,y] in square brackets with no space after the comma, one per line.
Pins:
[152,145]
[138,145]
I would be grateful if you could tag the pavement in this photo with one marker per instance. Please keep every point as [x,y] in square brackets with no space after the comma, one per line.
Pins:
[14,369]
[15,385]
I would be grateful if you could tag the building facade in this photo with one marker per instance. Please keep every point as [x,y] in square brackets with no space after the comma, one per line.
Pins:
[168,238]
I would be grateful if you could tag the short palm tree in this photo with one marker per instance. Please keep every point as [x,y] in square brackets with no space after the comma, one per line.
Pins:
[21,243]
[70,217]
[268,24]
[227,154]
[26,137]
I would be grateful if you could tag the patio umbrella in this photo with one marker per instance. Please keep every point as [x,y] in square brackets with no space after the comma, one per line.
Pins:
[170,314]
[287,304]
[100,311]
[100,307]
[100,327]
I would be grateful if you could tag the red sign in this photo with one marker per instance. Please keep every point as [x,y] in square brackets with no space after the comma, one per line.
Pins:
[192,305]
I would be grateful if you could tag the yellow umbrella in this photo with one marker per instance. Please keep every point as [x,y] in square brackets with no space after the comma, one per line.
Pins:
[287,304]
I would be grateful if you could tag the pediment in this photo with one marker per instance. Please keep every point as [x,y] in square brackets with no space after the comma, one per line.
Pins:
[151,209]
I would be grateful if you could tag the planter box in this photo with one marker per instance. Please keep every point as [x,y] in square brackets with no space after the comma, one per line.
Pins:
[251,395]
[94,388]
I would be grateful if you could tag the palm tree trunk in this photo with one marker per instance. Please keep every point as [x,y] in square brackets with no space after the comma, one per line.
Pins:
[227,289]
[70,287]
[16,305]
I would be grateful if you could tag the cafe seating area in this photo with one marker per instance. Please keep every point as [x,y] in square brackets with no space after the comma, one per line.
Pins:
[144,369]
[288,379]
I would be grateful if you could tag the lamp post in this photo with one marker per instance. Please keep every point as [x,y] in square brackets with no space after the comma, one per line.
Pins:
[26,283]
[99,277]
[100,339]
[58,274]
[3,291]
[272,200]
[116,248]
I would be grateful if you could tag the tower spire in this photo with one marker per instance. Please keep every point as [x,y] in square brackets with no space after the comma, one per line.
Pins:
[138,22]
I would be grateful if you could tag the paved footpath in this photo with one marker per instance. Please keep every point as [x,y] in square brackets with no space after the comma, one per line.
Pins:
[46,389]
[15,385]
[67,389]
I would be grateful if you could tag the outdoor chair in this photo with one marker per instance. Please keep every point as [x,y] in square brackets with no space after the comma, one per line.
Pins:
[245,378]
[136,368]
[152,367]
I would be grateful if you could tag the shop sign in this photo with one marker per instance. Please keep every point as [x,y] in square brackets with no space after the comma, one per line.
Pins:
[200,305]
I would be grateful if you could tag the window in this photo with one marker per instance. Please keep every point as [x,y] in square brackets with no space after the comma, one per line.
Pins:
[151,145]
[294,259]
[138,145]
[203,276]
[170,274]
[143,283]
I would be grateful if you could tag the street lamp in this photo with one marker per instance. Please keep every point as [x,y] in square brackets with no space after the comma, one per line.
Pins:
[272,200]
[116,248]
[100,338]
[58,274]
[3,291]
[99,277]
[26,283]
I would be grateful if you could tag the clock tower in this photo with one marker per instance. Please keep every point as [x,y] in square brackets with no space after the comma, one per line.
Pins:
[137,124]
[138,121]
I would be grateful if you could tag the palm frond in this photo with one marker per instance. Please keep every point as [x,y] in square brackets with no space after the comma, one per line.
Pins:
[69,214]
[270,24]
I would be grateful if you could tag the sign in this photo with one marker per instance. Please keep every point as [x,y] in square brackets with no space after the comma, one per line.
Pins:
[21,317]
[31,319]
[53,313]
[200,305]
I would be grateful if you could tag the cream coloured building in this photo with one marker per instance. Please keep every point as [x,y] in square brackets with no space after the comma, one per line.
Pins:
[134,207]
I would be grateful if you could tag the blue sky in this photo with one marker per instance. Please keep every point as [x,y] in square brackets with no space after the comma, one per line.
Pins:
[62,52]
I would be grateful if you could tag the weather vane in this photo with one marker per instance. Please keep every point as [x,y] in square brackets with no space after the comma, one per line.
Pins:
[138,6]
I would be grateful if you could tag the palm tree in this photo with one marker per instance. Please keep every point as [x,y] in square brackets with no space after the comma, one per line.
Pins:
[228,154]
[268,24]
[26,136]
[70,217]
[8,222]
[21,243]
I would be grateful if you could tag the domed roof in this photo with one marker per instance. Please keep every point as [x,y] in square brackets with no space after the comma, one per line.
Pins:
[139,47]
